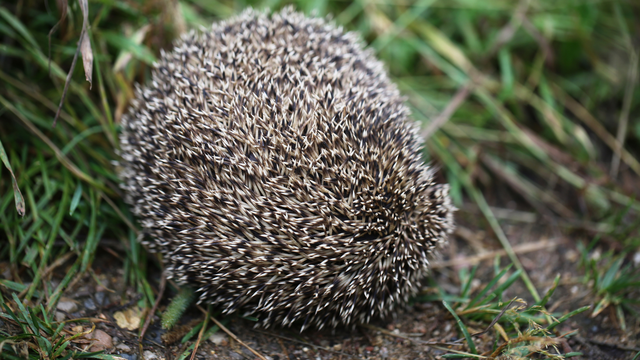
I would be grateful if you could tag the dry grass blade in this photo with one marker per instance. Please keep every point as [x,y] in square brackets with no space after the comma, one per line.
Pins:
[585,116]
[448,111]
[475,259]
[506,33]
[87,57]
[62,7]
[632,78]
[85,43]
[66,84]
[532,194]
[19,200]
[84,46]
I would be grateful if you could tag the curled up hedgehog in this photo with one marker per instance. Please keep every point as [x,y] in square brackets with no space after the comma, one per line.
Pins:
[274,165]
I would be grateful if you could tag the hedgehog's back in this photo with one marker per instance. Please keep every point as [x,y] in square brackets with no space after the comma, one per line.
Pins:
[272,163]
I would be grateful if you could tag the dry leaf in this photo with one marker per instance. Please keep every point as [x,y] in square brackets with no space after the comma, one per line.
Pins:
[100,340]
[87,58]
[77,329]
[85,43]
[128,319]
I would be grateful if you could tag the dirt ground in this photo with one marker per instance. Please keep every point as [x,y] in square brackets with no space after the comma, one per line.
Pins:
[423,330]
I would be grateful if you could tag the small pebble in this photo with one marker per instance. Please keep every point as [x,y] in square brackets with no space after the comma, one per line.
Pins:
[67,305]
[89,304]
[235,355]
[123,347]
[384,353]
[218,338]
[148,355]
[60,316]
[129,356]
[100,298]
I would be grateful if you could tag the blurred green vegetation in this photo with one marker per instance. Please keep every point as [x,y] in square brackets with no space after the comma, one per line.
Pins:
[532,102]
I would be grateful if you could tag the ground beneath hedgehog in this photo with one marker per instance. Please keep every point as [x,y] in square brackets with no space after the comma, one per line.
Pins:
[274,165]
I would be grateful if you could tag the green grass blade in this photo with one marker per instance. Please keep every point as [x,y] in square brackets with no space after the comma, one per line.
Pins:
[463,328]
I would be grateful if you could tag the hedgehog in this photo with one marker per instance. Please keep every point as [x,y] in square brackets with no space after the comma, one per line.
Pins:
[273,164]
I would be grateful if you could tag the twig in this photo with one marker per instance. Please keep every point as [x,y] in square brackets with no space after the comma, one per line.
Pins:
[519,249]
[147,321]
[507,32]
[233,336]
[68,80]
[59,261]
[284,348]
[446,113]
[120,214]
[495,319]
[204,326]
[63,16]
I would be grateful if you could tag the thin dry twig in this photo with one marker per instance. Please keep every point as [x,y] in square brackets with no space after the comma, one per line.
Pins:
[84,46]
[507,32]
[547,50]
[284,348]
[197,344]
[233,336]
[63,5]
[147,321]
[67,81]
[495,319]
[519,249]
[447,112]
[59,261]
